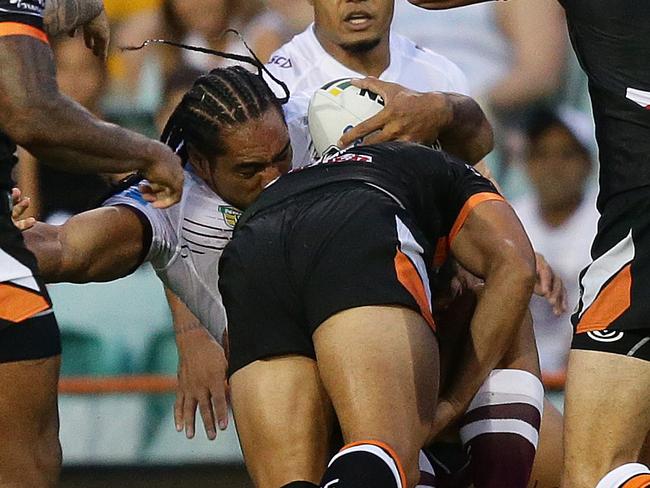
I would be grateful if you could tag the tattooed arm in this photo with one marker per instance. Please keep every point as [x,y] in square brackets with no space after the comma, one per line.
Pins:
[35,115]
[62,16]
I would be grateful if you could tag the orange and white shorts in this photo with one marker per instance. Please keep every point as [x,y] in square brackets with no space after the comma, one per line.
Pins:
[614,307]
[28,329]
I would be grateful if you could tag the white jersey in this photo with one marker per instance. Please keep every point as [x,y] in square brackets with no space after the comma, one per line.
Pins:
[304,65]
[186,245]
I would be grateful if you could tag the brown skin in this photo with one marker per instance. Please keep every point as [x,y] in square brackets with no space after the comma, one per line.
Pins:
[201,373]
[29,430]
[35,115]
[506,263]
[593,443]
[455,120]
[107,243]
[256,153]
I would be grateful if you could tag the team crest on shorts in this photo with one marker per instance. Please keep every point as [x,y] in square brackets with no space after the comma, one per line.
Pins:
[230,215]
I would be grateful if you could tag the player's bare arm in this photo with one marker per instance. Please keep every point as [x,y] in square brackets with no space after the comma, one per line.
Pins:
[455,121]
[60,132]
[61,16]
[99,245]
[492,245]
[202,366]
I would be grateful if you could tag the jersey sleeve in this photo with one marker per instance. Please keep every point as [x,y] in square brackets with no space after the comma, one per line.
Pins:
[461,189]
[458,80]
[22,18]
[162,240]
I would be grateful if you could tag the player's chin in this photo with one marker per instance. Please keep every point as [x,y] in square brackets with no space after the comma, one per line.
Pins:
[361,42]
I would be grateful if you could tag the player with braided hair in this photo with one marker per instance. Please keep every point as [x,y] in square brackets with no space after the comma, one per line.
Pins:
[230,133]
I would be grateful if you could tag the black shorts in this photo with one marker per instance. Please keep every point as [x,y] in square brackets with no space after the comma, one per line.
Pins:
[633,343]
[614,287]
[28,329]
[295,264]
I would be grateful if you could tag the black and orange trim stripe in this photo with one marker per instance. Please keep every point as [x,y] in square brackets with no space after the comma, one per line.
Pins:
[18,304]
[20,29]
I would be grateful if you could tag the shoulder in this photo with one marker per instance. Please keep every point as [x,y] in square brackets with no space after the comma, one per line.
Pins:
[294,58]
[438,67]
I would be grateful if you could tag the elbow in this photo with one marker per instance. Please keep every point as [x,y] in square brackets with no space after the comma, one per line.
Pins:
[484,141]
[518,267]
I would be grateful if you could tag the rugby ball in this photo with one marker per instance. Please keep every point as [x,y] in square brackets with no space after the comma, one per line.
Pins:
[337,107]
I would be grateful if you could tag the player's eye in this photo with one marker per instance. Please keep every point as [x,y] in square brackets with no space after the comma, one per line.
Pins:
[249,170]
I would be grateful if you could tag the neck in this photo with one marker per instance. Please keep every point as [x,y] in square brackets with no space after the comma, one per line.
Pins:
[557,215]
[369,63]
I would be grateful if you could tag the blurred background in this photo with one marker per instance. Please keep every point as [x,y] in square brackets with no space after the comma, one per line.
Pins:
[119,360]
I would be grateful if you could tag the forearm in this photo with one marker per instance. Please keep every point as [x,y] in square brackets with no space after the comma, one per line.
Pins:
[99,245]
[53,127]
[62,16]
[499,313]
[467,134]
[182,317]
[64,134]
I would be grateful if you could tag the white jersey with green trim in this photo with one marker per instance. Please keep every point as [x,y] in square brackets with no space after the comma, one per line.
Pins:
[305,66]
[186,244]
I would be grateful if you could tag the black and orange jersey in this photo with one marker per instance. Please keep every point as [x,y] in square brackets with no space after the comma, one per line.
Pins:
[612,42]
[25,13]
[437,190]
[23,18]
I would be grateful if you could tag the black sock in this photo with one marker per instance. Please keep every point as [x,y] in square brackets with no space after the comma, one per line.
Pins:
[362,466]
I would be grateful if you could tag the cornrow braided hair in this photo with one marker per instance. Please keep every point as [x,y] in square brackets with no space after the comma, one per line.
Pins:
[222,98]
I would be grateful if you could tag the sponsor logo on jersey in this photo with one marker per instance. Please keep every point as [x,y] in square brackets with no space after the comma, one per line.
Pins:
[230,215]
[36,6]
[351,157]
[281,61]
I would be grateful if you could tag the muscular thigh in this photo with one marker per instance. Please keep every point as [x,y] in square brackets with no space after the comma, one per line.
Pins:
[284,420]
[607,413]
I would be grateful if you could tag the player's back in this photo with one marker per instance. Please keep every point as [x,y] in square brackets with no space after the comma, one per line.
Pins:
[430,184]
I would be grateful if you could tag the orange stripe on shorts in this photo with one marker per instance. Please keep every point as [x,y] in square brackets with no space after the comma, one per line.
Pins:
[18,304]
[18,29]
[389,450]
[639,481]
[612,301]
[409,277]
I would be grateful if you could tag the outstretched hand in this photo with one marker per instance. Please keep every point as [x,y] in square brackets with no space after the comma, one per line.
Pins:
[20,206]
[164,185]
[407,115]
[549,285]
[201,382]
